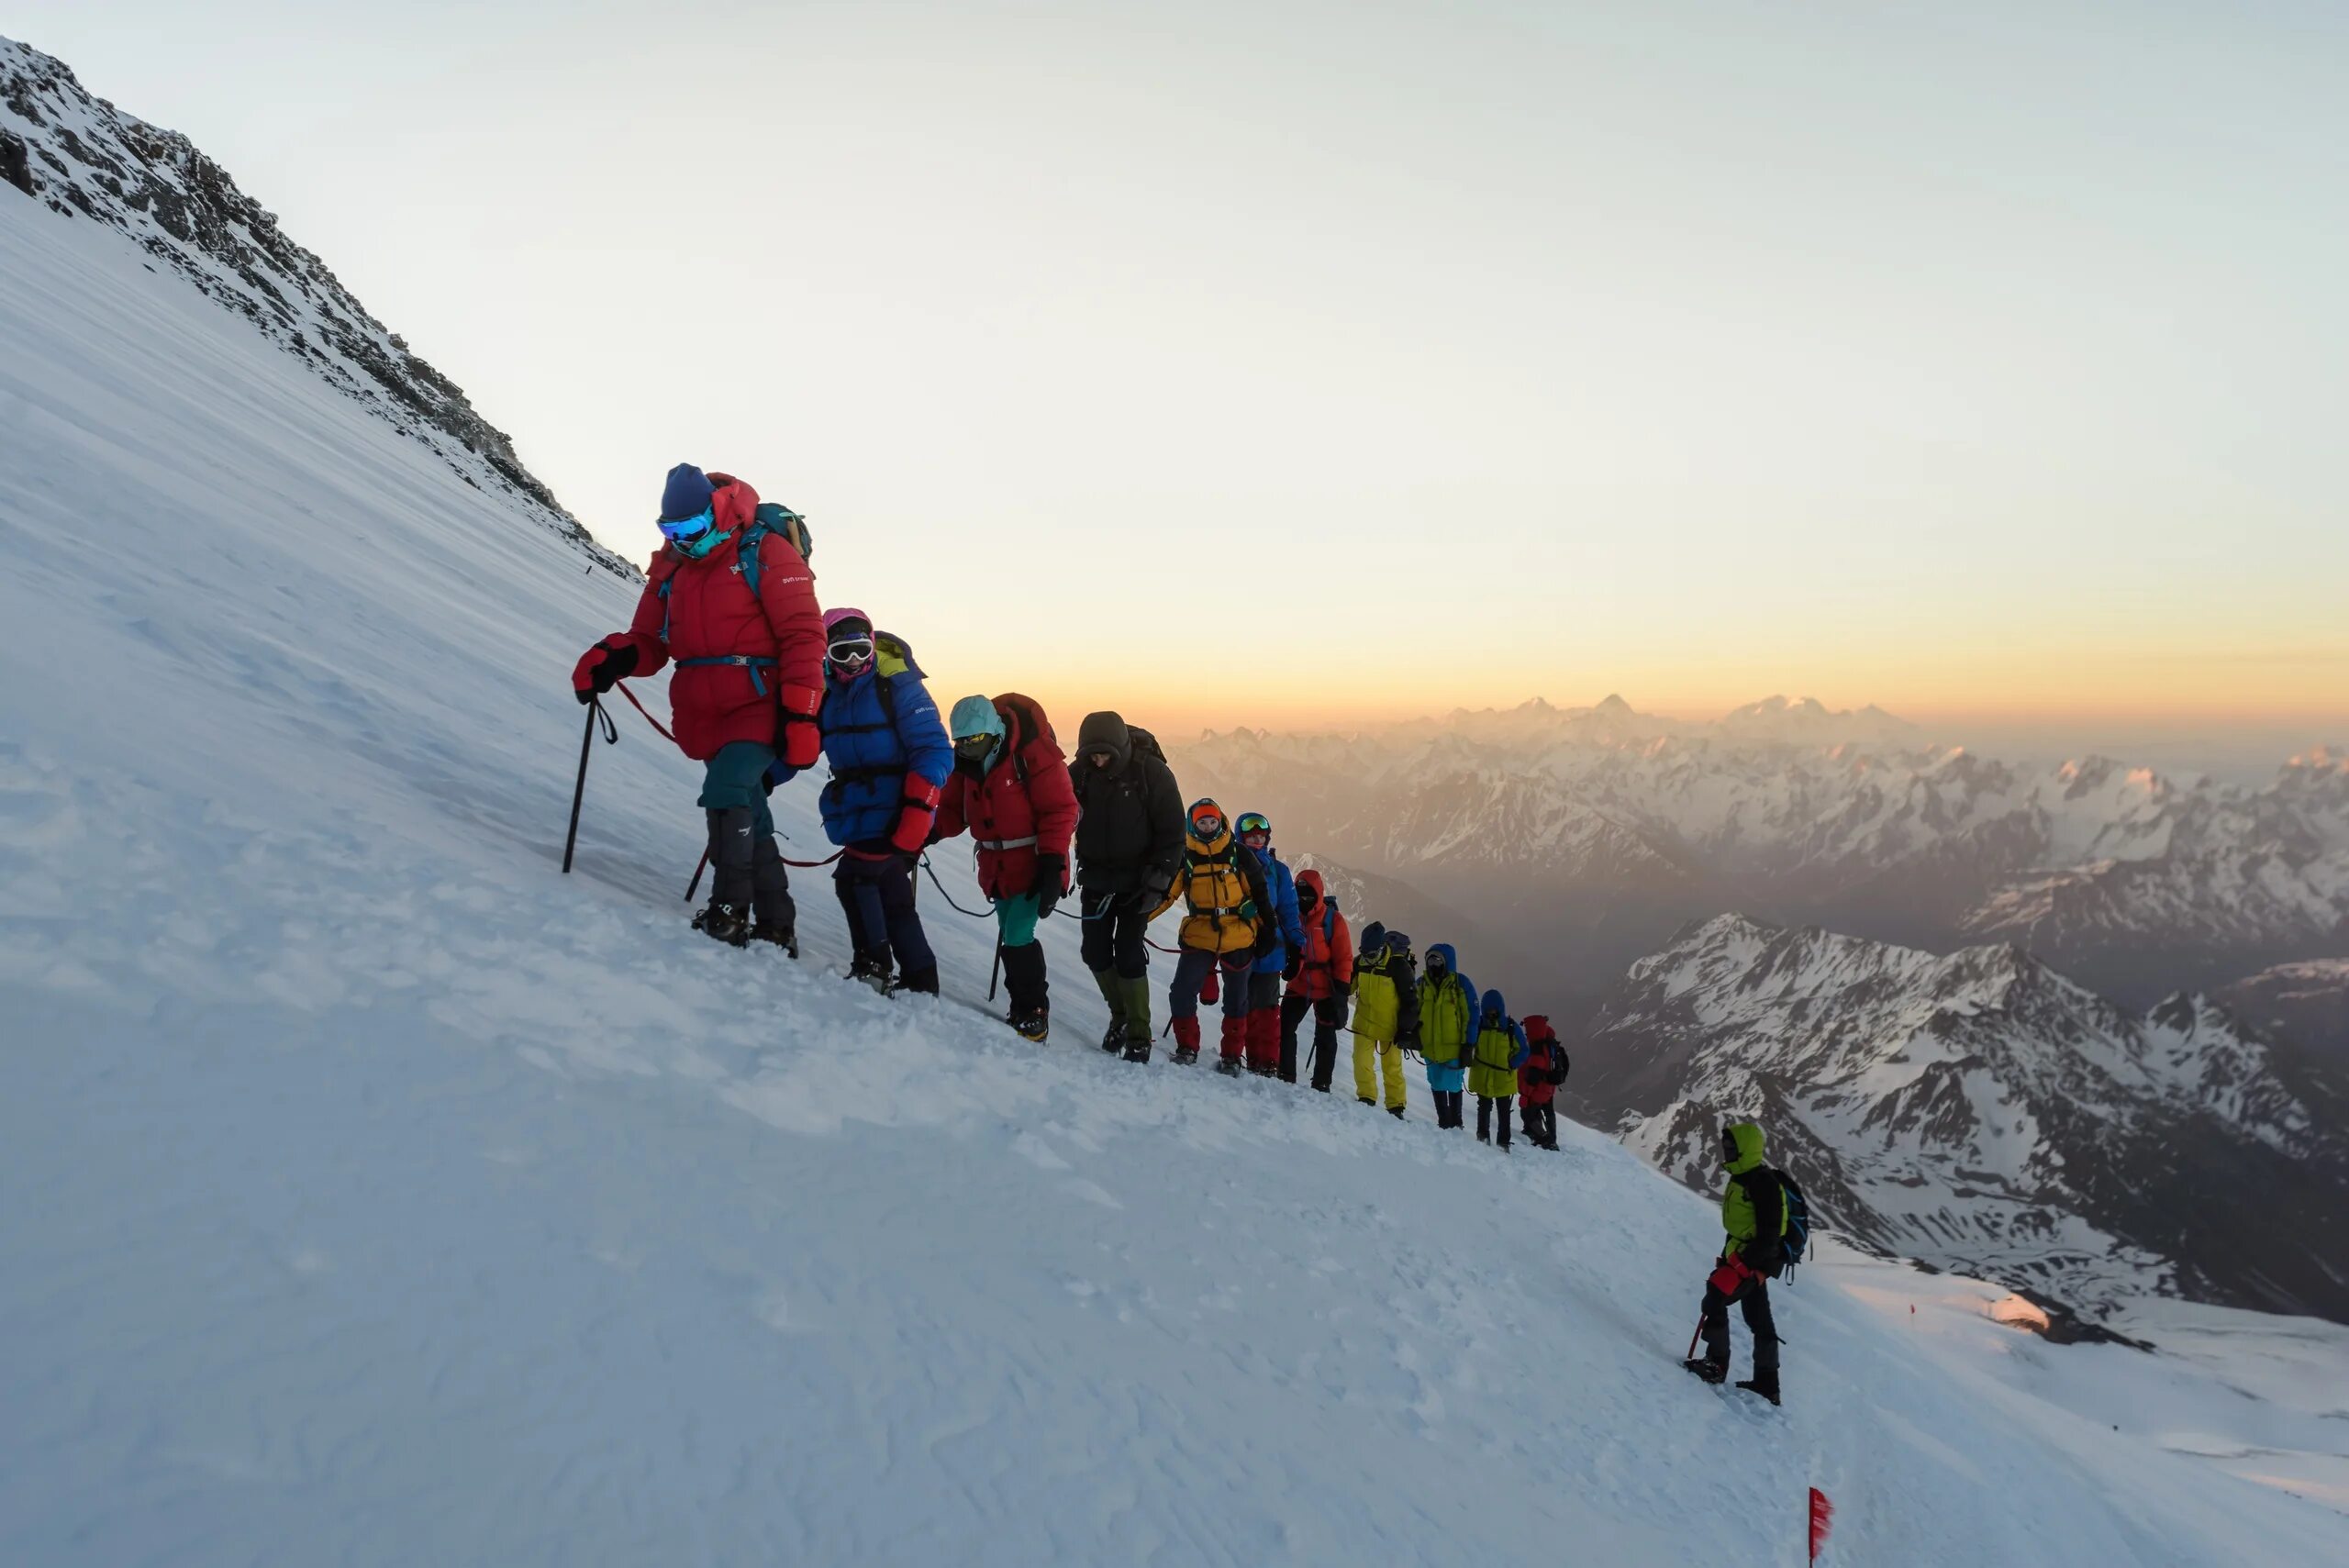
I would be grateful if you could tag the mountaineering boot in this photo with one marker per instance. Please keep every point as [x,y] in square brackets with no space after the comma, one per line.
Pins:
[1394,1111]
[731,854]
[1186,1041]
[922,983]
[1228,1065]
[1265,1043]
[778,917]
[1023,977]
[1136,992]
[729,923]
[1367,1099]
[872,965]
[1235,1040]
[1765,1383]
[1708,1370]
[1113,991]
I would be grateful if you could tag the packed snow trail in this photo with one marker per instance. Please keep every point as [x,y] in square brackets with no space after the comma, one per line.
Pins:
[377,1194]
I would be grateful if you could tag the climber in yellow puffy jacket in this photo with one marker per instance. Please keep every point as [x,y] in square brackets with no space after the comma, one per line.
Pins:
[1226,925]
[1387,1014]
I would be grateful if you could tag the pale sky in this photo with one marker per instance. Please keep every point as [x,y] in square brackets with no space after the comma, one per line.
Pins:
[1233,363]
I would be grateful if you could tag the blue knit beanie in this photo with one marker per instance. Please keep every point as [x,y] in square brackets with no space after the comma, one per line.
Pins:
[976,715]
[688,494]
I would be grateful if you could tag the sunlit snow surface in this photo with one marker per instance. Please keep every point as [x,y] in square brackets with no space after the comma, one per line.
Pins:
[376,1195]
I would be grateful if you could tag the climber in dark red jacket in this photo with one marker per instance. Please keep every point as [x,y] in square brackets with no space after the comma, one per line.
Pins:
[731,599]
[1010,787]
[1537,1082]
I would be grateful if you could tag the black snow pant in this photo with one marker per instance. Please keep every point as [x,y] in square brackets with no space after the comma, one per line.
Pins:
[1541,1122]
[1752,1297]
[1113,937]
[1485,1118]
[1328,1018]
[1448,1110]
[876,892]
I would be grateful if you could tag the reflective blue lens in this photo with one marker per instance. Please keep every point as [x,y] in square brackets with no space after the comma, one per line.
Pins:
[687,528]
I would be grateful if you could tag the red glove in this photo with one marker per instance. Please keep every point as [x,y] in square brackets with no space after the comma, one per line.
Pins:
[921,809]
[600,667]
[802,738]
[803,743]
[912,834]
[1731,1274]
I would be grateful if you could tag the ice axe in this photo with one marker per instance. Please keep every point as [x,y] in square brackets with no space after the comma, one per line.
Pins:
[996,972]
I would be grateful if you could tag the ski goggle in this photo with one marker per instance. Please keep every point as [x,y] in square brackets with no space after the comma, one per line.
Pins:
[1254,822]
[850,650]
[685,531]
[1435,960]
[1206,823]
[973,748]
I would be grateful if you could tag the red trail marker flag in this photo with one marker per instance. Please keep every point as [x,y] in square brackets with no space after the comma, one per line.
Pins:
[1822,1519]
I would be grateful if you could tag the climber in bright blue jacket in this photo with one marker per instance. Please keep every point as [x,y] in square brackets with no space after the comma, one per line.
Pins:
[1281,956]
[890,759]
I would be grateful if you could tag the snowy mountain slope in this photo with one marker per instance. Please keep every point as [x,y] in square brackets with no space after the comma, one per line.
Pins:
[1601,832]
[1980,1112]
[379,1195]
[79,156]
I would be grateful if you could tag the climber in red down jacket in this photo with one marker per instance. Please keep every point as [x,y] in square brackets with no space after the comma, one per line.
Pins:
[1010,787]
[730,598]
[1538,1080]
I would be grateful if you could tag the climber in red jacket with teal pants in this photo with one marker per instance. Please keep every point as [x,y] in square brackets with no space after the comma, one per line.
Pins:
[730,598]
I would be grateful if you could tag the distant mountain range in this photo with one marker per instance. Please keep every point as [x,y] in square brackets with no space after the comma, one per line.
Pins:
[1980,1112]
[1592,834]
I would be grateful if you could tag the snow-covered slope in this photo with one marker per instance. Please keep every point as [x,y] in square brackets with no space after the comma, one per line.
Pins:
[80,156]
[1980,1112]
[377,1194]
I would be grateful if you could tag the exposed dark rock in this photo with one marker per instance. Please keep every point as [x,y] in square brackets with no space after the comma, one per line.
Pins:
[83,157]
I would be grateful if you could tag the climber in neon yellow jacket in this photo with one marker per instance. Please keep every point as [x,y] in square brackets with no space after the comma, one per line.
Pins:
[1387,1014]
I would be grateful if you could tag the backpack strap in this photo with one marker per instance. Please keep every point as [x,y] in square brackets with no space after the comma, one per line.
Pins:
[769,518]
[746,552]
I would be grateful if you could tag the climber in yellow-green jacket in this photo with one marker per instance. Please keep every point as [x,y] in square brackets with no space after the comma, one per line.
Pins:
[1387,1014]
[1753,1222]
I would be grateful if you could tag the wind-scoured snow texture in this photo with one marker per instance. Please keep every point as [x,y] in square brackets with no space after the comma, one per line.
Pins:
[80,156]
[1596,832]
[1980,1112]
[377,1196]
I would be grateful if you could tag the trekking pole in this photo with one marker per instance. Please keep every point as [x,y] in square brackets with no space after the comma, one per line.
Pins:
[996,972]
[579,790]
[700,866]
